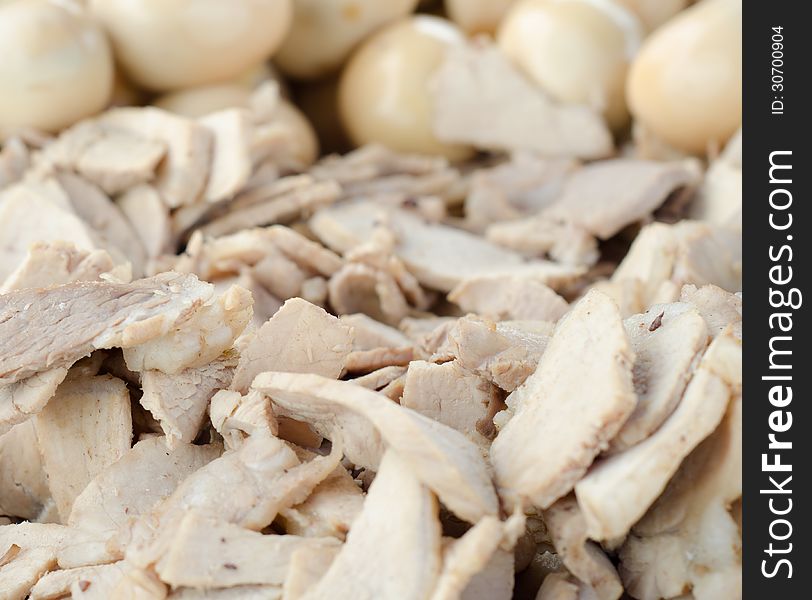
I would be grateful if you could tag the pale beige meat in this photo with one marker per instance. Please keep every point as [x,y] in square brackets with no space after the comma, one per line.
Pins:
[584,559]
[80,582]
[562,241]
[237,417]
[149,217]
[718,307]
[328,511]
[24,489]
[366,361]
[54,263]
[14,161]
[380,378]
[299,338]
[27,551]
[145,475]
[719,198]
[500,352]
[359,288]
[368,422]
[117,161]
[480,99]
[86,427]
[44,329]
[21,399]
[606,196]
[559,586]
[33,212]
[369,334]
[667,341]
[439,256]
[453,396]
[181,176]
[509,297]
[388,558]
[689,540]
[197,340]
[231,162]
[566,413]
[619,489]
[307,566]
[180,401]
[206,552]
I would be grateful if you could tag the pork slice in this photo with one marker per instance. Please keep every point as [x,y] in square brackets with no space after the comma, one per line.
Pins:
[718,307]
[307,253]
[86,427]
[55,263]
[14,161]
[118,160]
[584,559]
[359,288]
[201,338]
[307,566]
[55,327]
[570,408]
[60,584]
[368,422]
[180,401]
[562,241]
[480,99]
[389,558]
[210,553]
[380,378]
[719,198]
[299,338]
[231,161]
[21,399]
[181,177]
[709,255]
[509,297]
[369,334]
[560,586]
[439,256]
[237,417]
[667,341]
[689,540]
[149,217]
[27,552]
[24,489]
[606,196]
[619,489]
[367,361]
[129,488]
[453,396]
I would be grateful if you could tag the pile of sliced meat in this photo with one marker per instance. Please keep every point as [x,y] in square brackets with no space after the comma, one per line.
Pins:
[224,374]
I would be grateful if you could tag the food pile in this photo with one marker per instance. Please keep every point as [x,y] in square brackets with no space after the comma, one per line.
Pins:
[333,299]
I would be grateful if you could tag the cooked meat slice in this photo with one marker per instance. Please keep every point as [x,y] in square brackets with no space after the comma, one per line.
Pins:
[495,581]
[570,408]
[55,263]
[24,489]
[429,330]
[274,204]
[718,307]
[231,162]
[359,288]
[149,217]
[181,176]
[27,551]
[667,341]
[117,160]
[522,186]
[242,592]
[14,161]
[366,361]
[619,490]
[501,353]
[267,474]
[307,565]
[62,583]
[96,209]
[32,212]
[305,252]
[688,540]
[509,297]
[453,396]
[198,340]
[583,558]
[135,583]
[299,338]
[145,475]
[379,378]
[367,422]
[86,427]
[369,334]
[179,402]
[468,556]
[563,242]
[236,417]
[206,552]
[43,329]
[480,99]
[388,558]
[719,198]
[328,511]
[439,256]
[20,400]
[709,255]
[606,196]
[560,586]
